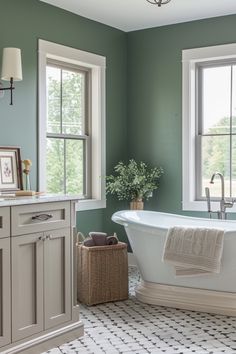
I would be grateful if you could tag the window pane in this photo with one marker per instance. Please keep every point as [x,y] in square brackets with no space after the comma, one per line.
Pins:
[234,101]
[216,86]
[53,99]
[55,165]
[73,102]
[75,167]
[234,166]
[215,158]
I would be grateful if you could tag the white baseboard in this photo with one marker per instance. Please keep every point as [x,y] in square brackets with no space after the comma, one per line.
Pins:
[46,341]
[131,260]
[218,302]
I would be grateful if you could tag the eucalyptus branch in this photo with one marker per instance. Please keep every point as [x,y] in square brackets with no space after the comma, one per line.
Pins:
[132,181]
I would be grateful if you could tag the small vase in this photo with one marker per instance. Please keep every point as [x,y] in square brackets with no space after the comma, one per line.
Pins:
[136,204]
[27,185]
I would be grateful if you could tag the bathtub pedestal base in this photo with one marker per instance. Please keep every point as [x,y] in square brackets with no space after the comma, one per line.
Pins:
[193,299]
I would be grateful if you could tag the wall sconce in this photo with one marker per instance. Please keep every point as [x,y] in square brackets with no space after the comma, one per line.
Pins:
[11,68]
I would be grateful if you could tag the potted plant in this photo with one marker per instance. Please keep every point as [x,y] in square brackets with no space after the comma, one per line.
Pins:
[134,182]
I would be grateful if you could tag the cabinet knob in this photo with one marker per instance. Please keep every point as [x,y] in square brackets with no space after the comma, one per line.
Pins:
[48,237]
[41,238]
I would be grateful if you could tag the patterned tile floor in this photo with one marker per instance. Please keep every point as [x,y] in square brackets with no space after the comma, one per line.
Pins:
[132,327]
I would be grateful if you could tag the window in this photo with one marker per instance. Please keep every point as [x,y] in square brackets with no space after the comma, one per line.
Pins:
[72,124]
[209,123]
[68,138]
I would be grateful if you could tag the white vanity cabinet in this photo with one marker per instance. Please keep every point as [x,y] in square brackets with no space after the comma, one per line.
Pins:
[5,292]
[38,308]
[5,268]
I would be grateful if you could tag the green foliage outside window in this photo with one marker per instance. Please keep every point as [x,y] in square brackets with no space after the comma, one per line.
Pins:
[65,155]
[219,155]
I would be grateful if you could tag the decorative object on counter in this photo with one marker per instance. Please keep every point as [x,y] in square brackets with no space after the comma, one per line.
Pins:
[20,194]
[27,164]
[11,69]
[100,239]
[10,169]
[102,273]
[134,182]
[28,193]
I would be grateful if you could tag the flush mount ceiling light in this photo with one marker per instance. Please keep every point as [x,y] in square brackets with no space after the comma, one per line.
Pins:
[158,2]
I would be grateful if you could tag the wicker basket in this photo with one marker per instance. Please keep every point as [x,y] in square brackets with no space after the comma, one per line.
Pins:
[102,273]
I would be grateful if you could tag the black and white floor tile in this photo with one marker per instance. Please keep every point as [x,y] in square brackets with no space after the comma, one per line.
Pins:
[132,327]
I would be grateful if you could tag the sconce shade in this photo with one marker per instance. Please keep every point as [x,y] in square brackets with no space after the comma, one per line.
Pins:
[11,64]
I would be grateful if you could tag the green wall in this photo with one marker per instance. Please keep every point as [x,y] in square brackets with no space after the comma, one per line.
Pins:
[155,94]
[143,84]
[22,22]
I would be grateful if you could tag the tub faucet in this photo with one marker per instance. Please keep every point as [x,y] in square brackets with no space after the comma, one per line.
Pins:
[208,200]
[223,202]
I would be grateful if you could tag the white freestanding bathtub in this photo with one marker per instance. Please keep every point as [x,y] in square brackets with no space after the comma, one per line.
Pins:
[147,231]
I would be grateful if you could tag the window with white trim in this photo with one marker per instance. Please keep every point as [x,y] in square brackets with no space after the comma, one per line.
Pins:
[68,138]
[72,123]
[209,123]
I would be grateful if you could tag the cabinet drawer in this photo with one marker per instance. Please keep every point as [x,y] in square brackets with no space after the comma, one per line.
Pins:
[4,222]
[41,217]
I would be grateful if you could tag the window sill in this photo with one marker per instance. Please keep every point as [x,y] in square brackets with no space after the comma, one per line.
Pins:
[90,204]
[202,206]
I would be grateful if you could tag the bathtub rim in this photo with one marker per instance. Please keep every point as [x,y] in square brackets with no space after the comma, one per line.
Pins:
[118,217]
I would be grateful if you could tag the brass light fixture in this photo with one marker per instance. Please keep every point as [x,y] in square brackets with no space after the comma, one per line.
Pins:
[158,2]
[11,69]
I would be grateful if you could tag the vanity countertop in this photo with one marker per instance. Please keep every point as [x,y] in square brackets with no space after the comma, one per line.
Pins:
[46,198]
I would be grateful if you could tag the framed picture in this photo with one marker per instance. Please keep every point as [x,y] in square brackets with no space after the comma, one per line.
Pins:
[10,169]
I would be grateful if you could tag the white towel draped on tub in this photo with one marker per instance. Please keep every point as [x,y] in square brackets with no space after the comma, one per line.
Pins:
[194,251]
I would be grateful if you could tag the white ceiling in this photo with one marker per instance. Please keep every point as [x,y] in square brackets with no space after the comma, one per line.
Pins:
[129,15]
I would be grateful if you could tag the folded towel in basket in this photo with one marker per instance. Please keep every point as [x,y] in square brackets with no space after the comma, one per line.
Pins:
[194,251]
[112,240]
[99,238]
[88,242]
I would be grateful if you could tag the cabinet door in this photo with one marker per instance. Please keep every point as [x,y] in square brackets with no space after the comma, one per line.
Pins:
[27,285]
[5,295]
[4,222]
[57,277]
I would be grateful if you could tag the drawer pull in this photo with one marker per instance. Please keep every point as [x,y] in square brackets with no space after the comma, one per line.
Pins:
[42,217]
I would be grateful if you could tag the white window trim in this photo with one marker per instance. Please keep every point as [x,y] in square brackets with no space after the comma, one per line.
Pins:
[190,59]
[97,64]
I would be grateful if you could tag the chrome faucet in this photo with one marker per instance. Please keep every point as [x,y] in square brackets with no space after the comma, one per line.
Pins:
[223,202]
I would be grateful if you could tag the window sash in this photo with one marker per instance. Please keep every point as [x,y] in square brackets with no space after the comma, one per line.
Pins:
[86,161]
[87,92]
[199,123]
[86,123]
